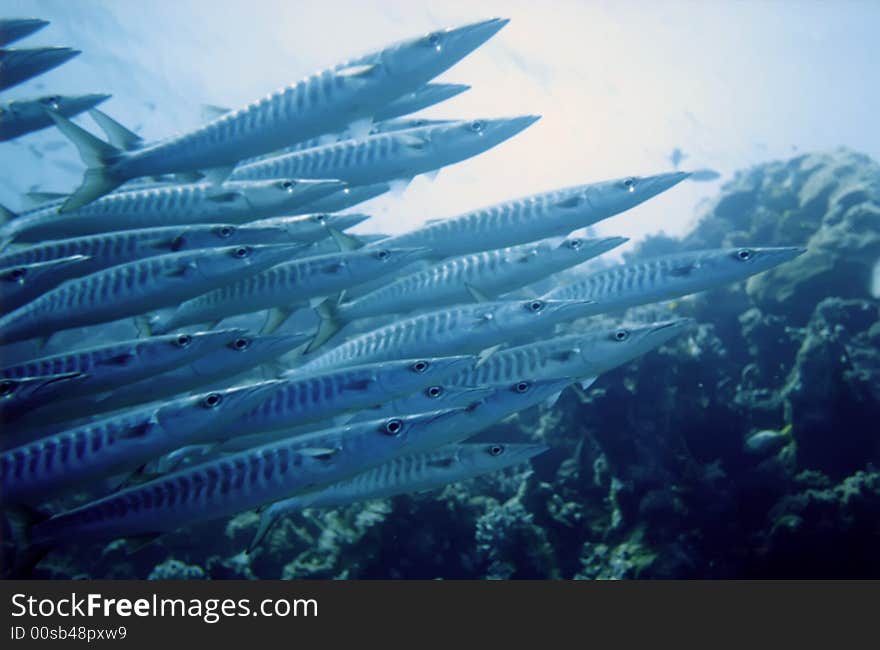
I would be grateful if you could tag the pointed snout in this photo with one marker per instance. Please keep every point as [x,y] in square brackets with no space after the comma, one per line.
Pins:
[475,34]
[346,221]
[13,29]
[447,366]
[653,185]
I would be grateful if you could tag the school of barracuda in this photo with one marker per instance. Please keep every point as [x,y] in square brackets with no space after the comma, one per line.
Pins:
[424,339]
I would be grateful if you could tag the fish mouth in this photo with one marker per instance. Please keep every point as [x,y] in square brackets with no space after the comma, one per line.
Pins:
[413,253]
[346,221]
[448,365]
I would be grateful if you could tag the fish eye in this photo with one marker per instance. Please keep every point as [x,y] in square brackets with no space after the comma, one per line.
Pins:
[288,185]
[744,254]
[535,306]
[621,335]
[630,184]
[7,387]
[183,340]
[434,391]
[477,126]
[213,400]
[522,387]
[420,366]
[320,218]
[178,243]
[496,450]
[241,252]
[393,427]
[241,344]
[433,40]
[419,123]
[225,231]
[17,275]
[382,254]
[574,244]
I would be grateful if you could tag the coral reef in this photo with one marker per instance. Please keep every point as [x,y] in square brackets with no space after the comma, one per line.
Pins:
[747,449]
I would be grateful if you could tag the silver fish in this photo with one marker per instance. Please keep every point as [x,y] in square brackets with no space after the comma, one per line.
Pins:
[389,156]
[119,443]
[577,356]
[238,482]
[323,103]
[462,328]
[286,286]
[20,64]
[670,276]
[17,394]
[21,116]
[479,276]
[112,248]
[535,217]
[117,364]
[347,198]
[318,396]
[22,283]
[166,205]
[409,474]
[137,287]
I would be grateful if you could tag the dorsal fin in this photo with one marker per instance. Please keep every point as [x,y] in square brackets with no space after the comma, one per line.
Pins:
[119,136]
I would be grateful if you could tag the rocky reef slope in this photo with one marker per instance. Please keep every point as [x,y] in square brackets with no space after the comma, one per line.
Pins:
[748,449]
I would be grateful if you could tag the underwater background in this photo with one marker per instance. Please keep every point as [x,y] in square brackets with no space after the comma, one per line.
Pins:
[747,448]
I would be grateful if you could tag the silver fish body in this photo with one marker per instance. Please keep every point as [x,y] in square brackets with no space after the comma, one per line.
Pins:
[671,276]
[577,356]
[388,156]
[118,443]
[17,394]
[168,205]
[451,330]
[310,228]
[490,273]
[117,364]
[118,247]
[134,288]
[318,396]
[346,198]
[22,283]
[408,474]
[536,217]
[285,285]
[238,482]
[21,116]
[322,103]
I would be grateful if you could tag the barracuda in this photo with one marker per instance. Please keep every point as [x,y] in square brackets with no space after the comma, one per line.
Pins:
[108,366]
[238,482]
[578,356]
[239,354]
[481,276]
[432,398]
[22,283]
[670,276]
[390,156]
[287,286]
[167,205]
[404,475]
[318,396]
[323,103]
[119,443]
[134,288]
[21,116]
[21,64]
[536,217]
[112,248]
[311,228]
[463,328]
[17,394]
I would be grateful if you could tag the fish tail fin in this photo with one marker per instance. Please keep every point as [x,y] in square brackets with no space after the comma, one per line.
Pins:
[6,215]
[95,153]
[269,516]
[331,323]
[118,135]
